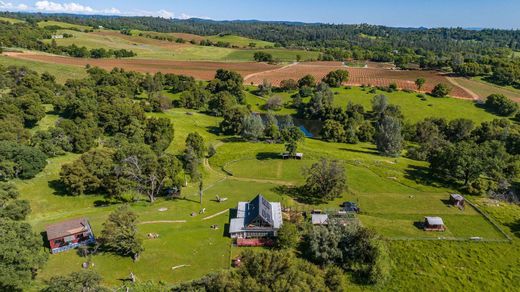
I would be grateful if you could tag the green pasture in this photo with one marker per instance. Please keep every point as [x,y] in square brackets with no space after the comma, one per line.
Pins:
[63,25]
[11,20]
[484,89]
[147,48]
[239,41]
[413,107]
[61,72]
[391,192]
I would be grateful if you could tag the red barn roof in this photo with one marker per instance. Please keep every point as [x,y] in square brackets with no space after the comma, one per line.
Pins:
[67,228]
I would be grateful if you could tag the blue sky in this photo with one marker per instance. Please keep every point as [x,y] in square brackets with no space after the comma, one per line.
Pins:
[428,13]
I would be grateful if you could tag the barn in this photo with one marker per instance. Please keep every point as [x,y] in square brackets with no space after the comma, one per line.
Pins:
[434,224]
[69,234]
[457,200]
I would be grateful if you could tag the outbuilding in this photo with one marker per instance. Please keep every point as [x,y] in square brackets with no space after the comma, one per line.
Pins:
[319,219]
[70,234]
[457,200]
[434,224]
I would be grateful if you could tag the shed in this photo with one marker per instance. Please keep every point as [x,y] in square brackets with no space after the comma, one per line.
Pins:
[457,200]
[319,219]
[69,234]
[434,224]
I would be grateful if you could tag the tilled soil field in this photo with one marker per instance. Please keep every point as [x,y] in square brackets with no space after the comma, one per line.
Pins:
[255,73]
[405,79]
[199,69]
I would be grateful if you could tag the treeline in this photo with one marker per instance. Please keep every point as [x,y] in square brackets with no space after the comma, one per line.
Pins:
[30,36]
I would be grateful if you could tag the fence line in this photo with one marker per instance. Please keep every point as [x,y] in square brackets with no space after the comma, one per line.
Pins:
[493,223]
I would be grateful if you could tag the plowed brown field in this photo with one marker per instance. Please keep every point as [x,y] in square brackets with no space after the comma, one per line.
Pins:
[255,72]
[198,69]
[405,79]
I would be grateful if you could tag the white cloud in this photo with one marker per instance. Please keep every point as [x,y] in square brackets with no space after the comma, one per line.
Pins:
[73,7]
[159,13]
[111,11]
[11,6]
[70,7]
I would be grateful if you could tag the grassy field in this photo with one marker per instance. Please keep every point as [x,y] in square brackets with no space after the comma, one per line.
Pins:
[62,72]
[484,89]
[413,107]
[156,49]
[391,193]
[63,25]
[11,20]
[240,41]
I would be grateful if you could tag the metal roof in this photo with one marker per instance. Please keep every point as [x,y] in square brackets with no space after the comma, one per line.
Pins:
[457,197]
[318,219]
[260,208]
[434,220]
[66,228]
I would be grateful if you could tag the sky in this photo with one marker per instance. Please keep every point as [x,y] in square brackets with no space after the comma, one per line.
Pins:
[401,13]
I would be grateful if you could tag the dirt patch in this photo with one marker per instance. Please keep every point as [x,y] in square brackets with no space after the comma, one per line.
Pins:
[199,69]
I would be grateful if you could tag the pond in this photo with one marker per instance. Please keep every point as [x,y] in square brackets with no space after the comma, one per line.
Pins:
[311,128]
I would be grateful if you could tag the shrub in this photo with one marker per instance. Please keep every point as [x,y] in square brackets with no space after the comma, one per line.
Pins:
[441,90]
[501,105]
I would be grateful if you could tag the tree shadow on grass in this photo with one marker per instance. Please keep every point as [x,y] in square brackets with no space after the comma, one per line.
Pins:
[372,151]
[233,139]
[45,241]
[58,188]
[267,155]
[515,227]
[419,225]
[298,193]
[422,175]
[213,130]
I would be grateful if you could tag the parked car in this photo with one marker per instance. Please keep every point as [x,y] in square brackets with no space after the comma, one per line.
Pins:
[351,207]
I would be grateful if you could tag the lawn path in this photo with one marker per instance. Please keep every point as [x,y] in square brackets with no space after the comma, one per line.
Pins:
[215,215]
[162,221]
[454,82]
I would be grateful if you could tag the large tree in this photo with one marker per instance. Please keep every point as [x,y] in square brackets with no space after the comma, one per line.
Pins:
[142,170]
[326,179]
[336,78]
[389,139]
[119,233]
[230,81]
[195,143]
[353,248]
[21,255]
[252,127]
[82,281]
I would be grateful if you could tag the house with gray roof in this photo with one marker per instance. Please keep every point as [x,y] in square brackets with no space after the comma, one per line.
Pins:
[256,219]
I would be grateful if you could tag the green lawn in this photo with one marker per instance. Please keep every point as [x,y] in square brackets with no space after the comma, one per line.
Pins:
[61,72]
